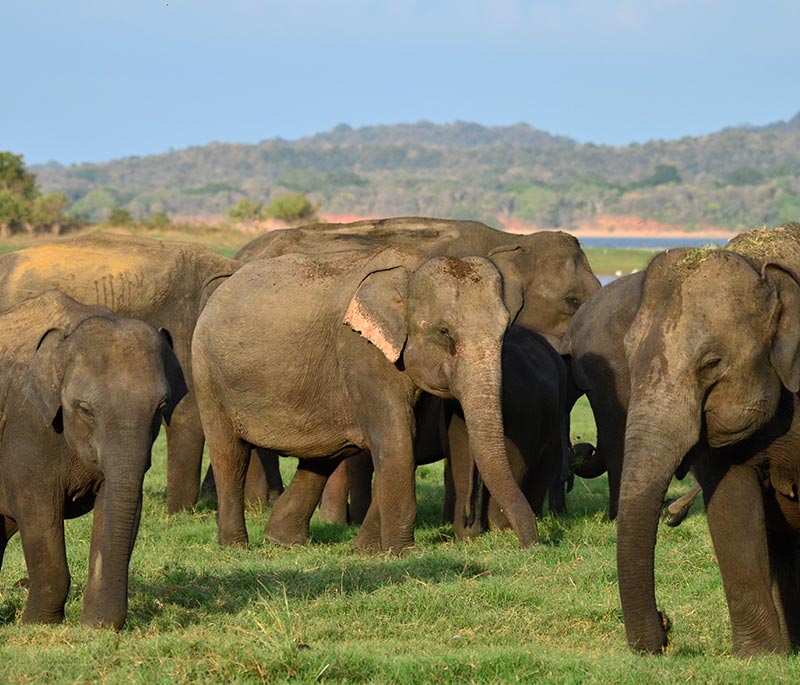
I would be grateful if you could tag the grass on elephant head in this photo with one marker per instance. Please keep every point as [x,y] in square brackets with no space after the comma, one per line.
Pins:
[447,612]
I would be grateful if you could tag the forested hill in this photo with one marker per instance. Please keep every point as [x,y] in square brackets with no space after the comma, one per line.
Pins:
[738,177]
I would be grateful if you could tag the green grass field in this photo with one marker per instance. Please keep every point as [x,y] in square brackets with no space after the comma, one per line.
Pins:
[447,612]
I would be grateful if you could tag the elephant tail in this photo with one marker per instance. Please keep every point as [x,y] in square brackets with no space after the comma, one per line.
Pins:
[209,286]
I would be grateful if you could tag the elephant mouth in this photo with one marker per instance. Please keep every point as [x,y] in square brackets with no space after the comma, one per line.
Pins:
[720,434]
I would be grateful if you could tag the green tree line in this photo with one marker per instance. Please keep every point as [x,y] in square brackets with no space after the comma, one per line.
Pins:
[735,178]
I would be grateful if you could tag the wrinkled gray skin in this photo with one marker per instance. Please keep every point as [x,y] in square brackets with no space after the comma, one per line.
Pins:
[550,266]
[84,392]
[349,341]
[714,366]
[156,281]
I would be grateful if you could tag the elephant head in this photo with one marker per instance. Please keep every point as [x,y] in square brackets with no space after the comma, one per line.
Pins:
[443,324]
[714,341]
[104,385]
[555,279]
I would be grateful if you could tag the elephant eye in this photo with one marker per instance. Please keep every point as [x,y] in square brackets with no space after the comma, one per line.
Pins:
[162,405]
[710,366]
[445,339]
[572,302]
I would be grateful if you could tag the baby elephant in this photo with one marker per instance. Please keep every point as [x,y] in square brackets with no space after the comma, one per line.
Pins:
[82,395]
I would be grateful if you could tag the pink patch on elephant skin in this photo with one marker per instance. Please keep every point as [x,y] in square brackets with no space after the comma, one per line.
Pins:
[369,328]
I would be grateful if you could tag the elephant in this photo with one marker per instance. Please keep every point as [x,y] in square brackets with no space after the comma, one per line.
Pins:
[156,281]
[713,354]
[554,272]
[321,356]
[84,393]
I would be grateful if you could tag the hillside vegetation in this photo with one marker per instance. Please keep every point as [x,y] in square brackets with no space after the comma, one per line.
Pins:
[736,178]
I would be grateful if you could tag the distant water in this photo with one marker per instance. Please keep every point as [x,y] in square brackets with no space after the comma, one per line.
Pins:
[651,243]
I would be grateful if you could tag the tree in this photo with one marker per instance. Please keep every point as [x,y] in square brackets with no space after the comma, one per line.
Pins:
[246,210]
[119,217]
[15,179]
[11,212]
[292,208]
[48,211]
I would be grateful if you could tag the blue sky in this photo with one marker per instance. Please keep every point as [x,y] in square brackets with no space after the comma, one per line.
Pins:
[87,80]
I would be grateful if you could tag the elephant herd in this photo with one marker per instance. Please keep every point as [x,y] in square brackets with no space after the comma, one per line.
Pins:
[383,344]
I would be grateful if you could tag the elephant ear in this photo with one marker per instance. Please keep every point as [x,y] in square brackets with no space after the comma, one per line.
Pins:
[174,374]
[378,310]
[785,353]
[505,259]
[42,384]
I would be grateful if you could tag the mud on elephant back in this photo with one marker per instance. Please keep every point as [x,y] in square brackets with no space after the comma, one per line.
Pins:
[348,343]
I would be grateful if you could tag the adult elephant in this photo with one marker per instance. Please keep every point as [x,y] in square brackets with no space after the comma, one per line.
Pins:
[347,343]
[156,281]
[714,368]
[83,395]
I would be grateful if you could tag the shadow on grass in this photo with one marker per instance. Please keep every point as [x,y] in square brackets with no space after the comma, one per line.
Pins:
[183,597]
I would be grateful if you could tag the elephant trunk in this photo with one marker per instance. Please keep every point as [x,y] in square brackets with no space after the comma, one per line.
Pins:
[120,508]
[659,434]
[481,403]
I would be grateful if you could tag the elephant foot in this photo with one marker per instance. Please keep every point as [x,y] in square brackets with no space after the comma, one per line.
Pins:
[233,541]
[285,540]
[366,543]
[285,531]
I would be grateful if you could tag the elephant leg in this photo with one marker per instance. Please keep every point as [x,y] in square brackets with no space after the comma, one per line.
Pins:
[263,483]
[360,470]
[784,548]
[288,523]
[229,458]
[738,530]
[392,448]
[208,489]
[8,527]
[46,559]
[184,455]
[467,521]
[333,507]
[610,418]
[368,538]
